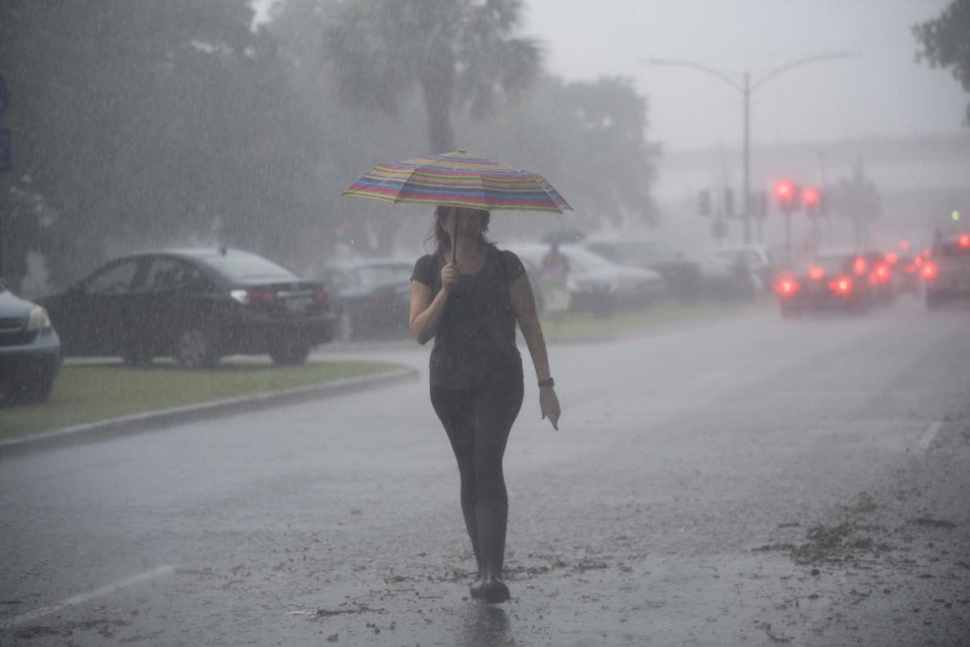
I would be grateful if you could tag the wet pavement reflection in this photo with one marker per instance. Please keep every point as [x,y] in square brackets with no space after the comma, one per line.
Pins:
[485,626]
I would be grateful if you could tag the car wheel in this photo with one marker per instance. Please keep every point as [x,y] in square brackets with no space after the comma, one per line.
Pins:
[39,390]
[291,355]
[195,349]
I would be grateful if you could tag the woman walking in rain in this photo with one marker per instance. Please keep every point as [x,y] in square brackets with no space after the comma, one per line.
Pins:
[468,296]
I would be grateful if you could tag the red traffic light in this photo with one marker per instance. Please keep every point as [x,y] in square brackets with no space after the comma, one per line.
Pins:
[784,190]
[810,196]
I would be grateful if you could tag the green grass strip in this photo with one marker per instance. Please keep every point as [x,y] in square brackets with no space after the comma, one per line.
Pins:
[584,326]
[90,393]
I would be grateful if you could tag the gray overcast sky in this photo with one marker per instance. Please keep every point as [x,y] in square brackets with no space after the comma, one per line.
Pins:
[880,92]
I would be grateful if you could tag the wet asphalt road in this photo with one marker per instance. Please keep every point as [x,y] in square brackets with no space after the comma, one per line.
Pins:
[750,481]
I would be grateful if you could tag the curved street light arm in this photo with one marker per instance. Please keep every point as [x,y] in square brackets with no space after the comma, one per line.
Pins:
[724,77]
[804,61]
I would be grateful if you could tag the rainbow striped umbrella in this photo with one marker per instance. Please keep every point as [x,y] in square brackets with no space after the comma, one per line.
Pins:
[458,179]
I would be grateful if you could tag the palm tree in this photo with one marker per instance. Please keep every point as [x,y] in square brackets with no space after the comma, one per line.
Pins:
[458,53]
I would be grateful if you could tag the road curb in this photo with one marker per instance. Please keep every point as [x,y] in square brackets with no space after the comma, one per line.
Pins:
[154,420]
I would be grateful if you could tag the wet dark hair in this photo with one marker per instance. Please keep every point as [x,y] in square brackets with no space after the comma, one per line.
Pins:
[442,239]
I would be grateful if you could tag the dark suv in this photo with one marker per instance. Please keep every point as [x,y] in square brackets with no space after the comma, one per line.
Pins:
[195,305]
[371,297]
[947,274]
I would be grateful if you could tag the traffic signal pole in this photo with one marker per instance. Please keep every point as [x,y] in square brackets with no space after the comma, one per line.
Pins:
[788,230]
[746,200]
[747,89]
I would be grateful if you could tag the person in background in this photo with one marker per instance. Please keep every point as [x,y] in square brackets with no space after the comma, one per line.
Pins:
[468,296]
[555,290]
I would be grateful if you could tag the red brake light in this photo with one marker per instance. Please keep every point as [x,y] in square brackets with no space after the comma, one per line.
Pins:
[786,286]
[260,296]
[860,266]
[918,260]
[841,286]
[964,240]
[929,271]
[815,272]
[892,258]
[880,274]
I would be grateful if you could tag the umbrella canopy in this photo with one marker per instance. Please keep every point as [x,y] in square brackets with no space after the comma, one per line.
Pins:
[458,179]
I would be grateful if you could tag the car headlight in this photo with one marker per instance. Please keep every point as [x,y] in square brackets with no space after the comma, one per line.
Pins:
[38,319]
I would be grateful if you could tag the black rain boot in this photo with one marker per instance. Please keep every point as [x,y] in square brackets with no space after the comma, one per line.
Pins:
[492,523]
[471,525]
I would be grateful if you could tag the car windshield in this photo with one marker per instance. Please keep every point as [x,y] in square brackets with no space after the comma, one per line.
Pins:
[632,251]
[238,266]
[371,275]
[584,260]
[833,265]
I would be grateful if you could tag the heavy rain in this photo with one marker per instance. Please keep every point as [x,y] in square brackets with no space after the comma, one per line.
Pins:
[484,323]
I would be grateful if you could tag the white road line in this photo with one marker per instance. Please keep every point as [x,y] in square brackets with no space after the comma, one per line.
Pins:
[84,597]
[927,439]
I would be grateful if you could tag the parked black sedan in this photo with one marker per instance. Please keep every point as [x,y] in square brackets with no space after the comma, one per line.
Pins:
[195,305]
[371,297]
[30,351]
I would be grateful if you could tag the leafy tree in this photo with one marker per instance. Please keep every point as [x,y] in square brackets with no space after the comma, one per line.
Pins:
[25,227]
[346,140]
[945,43]
[152,123]
[589,139]
[458,53]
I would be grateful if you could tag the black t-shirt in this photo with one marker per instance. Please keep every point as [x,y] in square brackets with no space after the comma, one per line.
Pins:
[475,343]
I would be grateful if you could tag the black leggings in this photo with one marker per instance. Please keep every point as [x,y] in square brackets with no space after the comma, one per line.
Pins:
[478,422]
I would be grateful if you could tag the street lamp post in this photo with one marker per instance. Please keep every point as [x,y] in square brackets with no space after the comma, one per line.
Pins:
[747,89]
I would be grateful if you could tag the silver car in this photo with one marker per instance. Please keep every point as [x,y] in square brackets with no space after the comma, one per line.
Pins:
[30,350]
[597,284]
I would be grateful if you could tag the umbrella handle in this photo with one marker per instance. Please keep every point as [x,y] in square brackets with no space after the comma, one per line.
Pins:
[454,239]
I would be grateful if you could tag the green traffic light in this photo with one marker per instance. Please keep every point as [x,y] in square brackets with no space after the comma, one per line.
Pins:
[955,215]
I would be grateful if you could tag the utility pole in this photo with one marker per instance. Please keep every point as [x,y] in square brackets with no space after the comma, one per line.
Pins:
[5,146]
[746,198]
[747,89]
